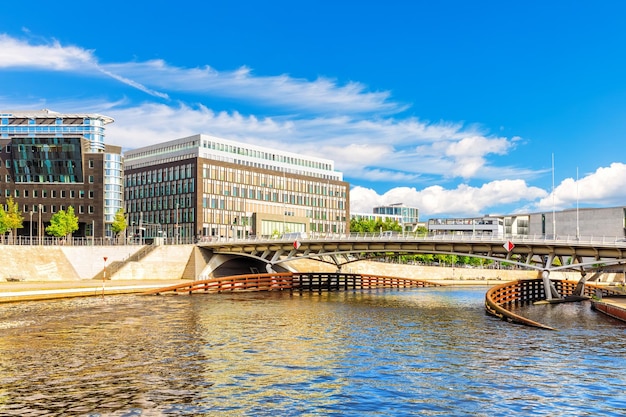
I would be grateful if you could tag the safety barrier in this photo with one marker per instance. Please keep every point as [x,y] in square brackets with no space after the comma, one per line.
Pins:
[529,291]
[293,281]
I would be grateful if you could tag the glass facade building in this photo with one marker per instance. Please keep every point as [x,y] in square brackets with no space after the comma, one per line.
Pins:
[408,217]
[51,161]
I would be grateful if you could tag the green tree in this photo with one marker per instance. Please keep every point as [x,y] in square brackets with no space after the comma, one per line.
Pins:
[421,231]
[374,226]
[10,219]
[119,222]
[3,220]
[63,223]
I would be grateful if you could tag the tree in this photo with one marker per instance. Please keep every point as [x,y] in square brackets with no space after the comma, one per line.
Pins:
[374,226]
[10,219]
[63,223]
[119,222]
[3,220]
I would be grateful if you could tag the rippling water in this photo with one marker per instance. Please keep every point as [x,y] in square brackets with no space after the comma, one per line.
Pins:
[430,351]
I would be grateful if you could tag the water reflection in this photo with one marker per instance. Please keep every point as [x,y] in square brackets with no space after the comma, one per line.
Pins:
[412,352]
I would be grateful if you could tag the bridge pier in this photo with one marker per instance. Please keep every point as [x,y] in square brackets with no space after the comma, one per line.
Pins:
[548,286]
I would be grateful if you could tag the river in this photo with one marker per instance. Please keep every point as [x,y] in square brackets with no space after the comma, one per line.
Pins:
[418,352]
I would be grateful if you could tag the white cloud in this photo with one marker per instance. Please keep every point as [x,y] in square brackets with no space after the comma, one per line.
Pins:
[605,187]
[53,56]
[15,53]
[370,150]
[321,94]
[436,200]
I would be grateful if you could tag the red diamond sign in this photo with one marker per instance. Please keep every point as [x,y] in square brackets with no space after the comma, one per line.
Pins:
[296,244]
[508,245]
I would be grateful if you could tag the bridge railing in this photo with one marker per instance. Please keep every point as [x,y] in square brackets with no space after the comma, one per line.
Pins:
[618,241]
[355,237]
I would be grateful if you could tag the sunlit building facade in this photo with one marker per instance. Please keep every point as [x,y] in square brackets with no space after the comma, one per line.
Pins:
[203,187]
[50,161]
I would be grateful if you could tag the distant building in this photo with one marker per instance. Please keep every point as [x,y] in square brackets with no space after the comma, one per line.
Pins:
[201,187]
[607,222]
[472,226]
[50,161]
[408,217]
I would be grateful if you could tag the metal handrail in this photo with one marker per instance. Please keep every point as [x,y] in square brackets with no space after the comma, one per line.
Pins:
[617,241]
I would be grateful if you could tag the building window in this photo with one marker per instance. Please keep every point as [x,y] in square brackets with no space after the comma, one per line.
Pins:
[90,208]
[90,193]
[91,163]
[91,179]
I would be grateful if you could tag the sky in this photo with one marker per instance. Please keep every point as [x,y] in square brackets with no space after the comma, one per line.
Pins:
[458,108]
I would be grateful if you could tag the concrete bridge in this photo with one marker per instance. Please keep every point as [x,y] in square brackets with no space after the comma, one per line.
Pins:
[583,254]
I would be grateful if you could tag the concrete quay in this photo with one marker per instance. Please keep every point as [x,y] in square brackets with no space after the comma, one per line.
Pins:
[47,290]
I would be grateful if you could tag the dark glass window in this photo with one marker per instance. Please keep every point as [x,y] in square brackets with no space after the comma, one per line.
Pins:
[47,159]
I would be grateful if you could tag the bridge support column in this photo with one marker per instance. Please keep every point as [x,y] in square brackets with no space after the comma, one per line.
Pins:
[580,285]
[548,286]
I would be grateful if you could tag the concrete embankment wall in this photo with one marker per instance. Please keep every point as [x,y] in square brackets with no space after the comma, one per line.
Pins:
[70,263]
[438,273]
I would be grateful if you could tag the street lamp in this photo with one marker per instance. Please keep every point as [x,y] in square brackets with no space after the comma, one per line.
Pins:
[176,227]
[30,242]
[39,223]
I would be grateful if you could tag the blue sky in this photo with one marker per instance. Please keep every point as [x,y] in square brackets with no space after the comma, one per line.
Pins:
[455,107]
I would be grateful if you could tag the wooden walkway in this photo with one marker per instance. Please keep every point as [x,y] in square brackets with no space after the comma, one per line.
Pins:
[292,281]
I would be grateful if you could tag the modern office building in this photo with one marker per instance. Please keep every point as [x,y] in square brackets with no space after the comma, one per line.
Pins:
[472,226]
[50,161]
[408,217]
[202,187]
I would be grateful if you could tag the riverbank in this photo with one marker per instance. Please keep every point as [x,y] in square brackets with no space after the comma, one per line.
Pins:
[47,290]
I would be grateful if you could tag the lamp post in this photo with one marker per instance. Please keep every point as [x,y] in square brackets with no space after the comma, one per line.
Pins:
[39,224]
[104,274]
[30,242]
[176,227]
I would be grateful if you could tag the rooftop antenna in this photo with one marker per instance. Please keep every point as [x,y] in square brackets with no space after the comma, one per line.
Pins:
[577,197]
[553,208]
